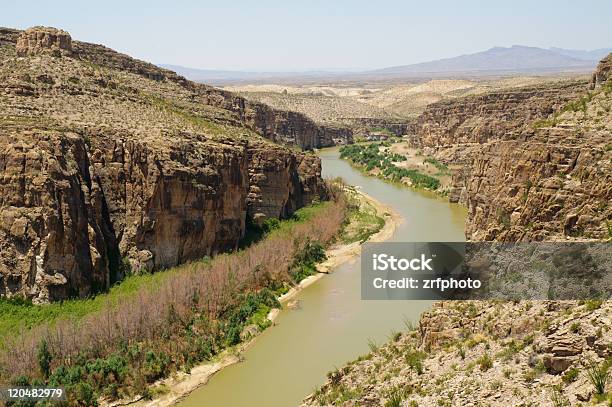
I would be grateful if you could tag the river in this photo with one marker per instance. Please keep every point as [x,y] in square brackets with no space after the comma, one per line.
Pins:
[332,324]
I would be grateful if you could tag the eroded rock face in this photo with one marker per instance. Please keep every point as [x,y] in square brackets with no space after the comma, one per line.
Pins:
[50,245]
[127,165]
[167,207]
[278,125]
[454,131]
[478,119]
[281,182]
[43,40]
[72,214]
[555,183]
[602,73]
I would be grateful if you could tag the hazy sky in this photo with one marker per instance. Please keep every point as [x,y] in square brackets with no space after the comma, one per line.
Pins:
[278,35]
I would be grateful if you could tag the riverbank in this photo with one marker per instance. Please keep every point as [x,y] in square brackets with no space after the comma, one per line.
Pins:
[171,390]
[397,163]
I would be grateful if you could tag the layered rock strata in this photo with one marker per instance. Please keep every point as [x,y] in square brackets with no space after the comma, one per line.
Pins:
[530,163]
[109,164]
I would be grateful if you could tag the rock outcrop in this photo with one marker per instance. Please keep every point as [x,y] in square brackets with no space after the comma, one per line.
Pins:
[39,40]
[281,182]
[554,183]
[602,73]
[480,353]
[109,164]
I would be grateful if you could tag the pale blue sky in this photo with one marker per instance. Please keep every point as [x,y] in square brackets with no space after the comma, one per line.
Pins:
[276,35]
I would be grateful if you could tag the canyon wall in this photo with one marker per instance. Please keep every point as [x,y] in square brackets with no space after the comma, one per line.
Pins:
[277,125]
[365,124]
[110,165]
[530,163]
[481,118]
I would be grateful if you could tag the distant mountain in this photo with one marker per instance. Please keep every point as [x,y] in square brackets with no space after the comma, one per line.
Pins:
[220,76]
[594,55]
[494,61]
[513,59]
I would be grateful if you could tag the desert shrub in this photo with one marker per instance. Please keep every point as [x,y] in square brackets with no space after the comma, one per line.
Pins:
[414,359]
[570,375]
[394,400]
[557,398]
[598,375]
[485,362]
[372,345]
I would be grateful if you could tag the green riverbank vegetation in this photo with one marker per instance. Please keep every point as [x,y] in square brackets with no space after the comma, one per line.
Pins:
[363,219]
[117,344]
[377,159]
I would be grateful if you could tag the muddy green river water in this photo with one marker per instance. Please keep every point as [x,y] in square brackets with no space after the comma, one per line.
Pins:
[332,324]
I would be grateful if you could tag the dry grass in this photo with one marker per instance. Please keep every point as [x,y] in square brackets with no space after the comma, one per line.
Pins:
[199,290]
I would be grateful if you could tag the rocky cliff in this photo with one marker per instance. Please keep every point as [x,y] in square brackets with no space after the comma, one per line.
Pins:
[602,73]
[531,163]
[491,116]
[454,131]
[555,183]
[109,164]
[551,180]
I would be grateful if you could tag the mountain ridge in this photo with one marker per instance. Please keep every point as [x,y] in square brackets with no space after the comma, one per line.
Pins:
[514,58]
[495,60]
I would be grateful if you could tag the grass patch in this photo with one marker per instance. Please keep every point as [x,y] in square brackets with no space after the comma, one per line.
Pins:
[18,314]
[362,220]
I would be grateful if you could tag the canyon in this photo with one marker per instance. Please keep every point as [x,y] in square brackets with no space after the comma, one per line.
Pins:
[530,164]
[110,165]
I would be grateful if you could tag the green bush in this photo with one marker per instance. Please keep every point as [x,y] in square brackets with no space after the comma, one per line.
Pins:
[485,362]
[156,365]
[570,375]
[304,263]
[44,358]
[370,157]
[440,166]
[598,375]
[238,317]
[414,359]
